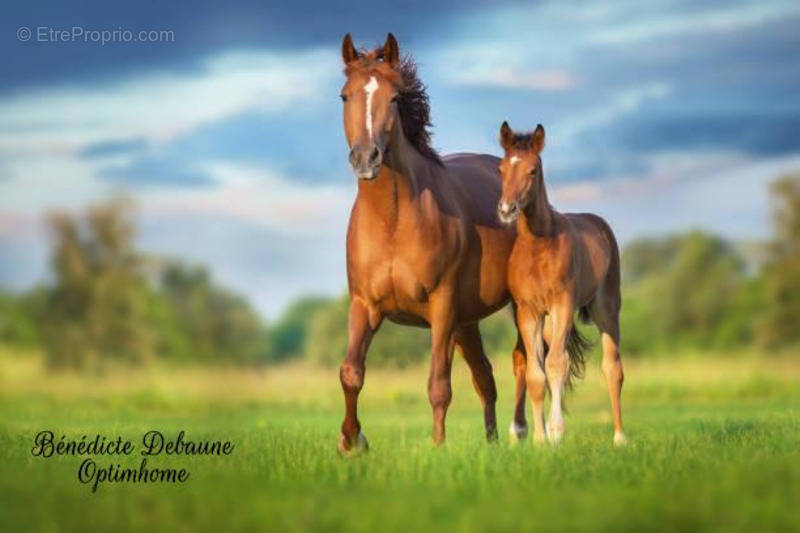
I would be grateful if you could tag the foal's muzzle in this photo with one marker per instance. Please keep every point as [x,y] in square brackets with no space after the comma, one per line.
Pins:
[366,161]
[507,212]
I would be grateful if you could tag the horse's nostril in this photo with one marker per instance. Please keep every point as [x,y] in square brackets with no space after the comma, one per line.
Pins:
[507,209]
[374,155]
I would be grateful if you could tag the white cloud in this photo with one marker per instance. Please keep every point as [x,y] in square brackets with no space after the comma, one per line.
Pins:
[722,192]
[541,46]
[258,196]
[624,102]
[726,17]
[159,106]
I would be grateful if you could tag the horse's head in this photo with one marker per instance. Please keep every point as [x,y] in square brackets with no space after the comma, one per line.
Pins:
[521,170]
[370,97]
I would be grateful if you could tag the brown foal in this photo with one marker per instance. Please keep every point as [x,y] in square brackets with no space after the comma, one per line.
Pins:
[560,264]
[424,245]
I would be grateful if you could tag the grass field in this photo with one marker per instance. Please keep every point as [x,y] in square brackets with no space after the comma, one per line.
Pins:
[714,445]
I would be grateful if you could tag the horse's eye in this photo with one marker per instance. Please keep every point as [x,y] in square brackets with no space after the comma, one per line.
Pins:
[395,98]
[343,97]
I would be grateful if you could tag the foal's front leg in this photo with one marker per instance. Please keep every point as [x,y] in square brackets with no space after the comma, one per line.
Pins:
[556,365]
[442,320]
[531,324]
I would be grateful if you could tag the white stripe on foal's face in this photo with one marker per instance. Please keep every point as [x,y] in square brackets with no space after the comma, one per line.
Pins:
[514,160]
[370,89]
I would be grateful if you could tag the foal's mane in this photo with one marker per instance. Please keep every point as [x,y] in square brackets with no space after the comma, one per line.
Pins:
[522,141]
[412,99]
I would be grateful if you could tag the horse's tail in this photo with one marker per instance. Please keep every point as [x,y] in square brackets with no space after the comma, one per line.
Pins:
[577,346]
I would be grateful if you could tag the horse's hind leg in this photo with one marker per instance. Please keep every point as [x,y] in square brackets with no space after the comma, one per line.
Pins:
[519,426]
[605,313]
[468,341]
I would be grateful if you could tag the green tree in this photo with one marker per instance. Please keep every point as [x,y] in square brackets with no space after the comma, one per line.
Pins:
[96,308]
[17,326]
[287,337]
[782,270]
[679,290]
[218,325]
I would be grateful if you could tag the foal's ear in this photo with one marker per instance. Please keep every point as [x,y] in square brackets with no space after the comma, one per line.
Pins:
[537,139]
[348,50]
[391,52]
[506,136]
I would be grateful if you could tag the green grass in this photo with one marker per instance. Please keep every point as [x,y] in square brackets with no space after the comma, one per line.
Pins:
[713,445]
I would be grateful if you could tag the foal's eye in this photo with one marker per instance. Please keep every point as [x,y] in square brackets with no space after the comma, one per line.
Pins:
[395,98]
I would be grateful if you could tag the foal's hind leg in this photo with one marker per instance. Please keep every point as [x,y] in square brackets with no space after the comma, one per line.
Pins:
[605,313]
[468,341]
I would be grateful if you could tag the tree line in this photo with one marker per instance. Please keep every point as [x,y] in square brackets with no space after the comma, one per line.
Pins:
[109,303]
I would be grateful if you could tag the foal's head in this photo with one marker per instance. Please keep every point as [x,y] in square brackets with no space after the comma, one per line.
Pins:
[521,170]
[382,90]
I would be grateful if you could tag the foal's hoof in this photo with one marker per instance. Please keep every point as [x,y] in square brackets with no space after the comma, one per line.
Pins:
[620,439]
[517,432]
[555,434]
[352,447]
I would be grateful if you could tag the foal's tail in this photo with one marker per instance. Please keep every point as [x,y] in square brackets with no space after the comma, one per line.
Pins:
[577,346]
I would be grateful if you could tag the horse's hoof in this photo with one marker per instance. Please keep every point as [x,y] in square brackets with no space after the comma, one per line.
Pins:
[351,449]
[491,435]
[517,432]
[620,439]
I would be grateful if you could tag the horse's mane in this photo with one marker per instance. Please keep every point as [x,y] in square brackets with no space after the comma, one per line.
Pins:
[412,99]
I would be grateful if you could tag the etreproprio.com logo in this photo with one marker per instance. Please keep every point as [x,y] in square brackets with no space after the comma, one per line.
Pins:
[79,34]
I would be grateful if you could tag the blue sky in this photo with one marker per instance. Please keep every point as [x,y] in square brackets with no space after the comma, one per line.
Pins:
[661,116]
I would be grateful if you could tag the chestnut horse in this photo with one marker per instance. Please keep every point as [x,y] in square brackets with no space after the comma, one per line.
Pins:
[561,263]
[424,246]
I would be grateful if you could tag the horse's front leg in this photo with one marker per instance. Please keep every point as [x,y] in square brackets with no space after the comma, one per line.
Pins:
[442,320]
[351,374]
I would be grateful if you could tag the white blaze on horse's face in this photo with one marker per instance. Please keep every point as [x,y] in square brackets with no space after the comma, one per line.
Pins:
[514,160]
[370,89]
[369,117]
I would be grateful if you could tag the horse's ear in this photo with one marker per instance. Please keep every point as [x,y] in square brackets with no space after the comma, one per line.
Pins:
[391,52]
[348,50]
[537,139]
[506,136]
